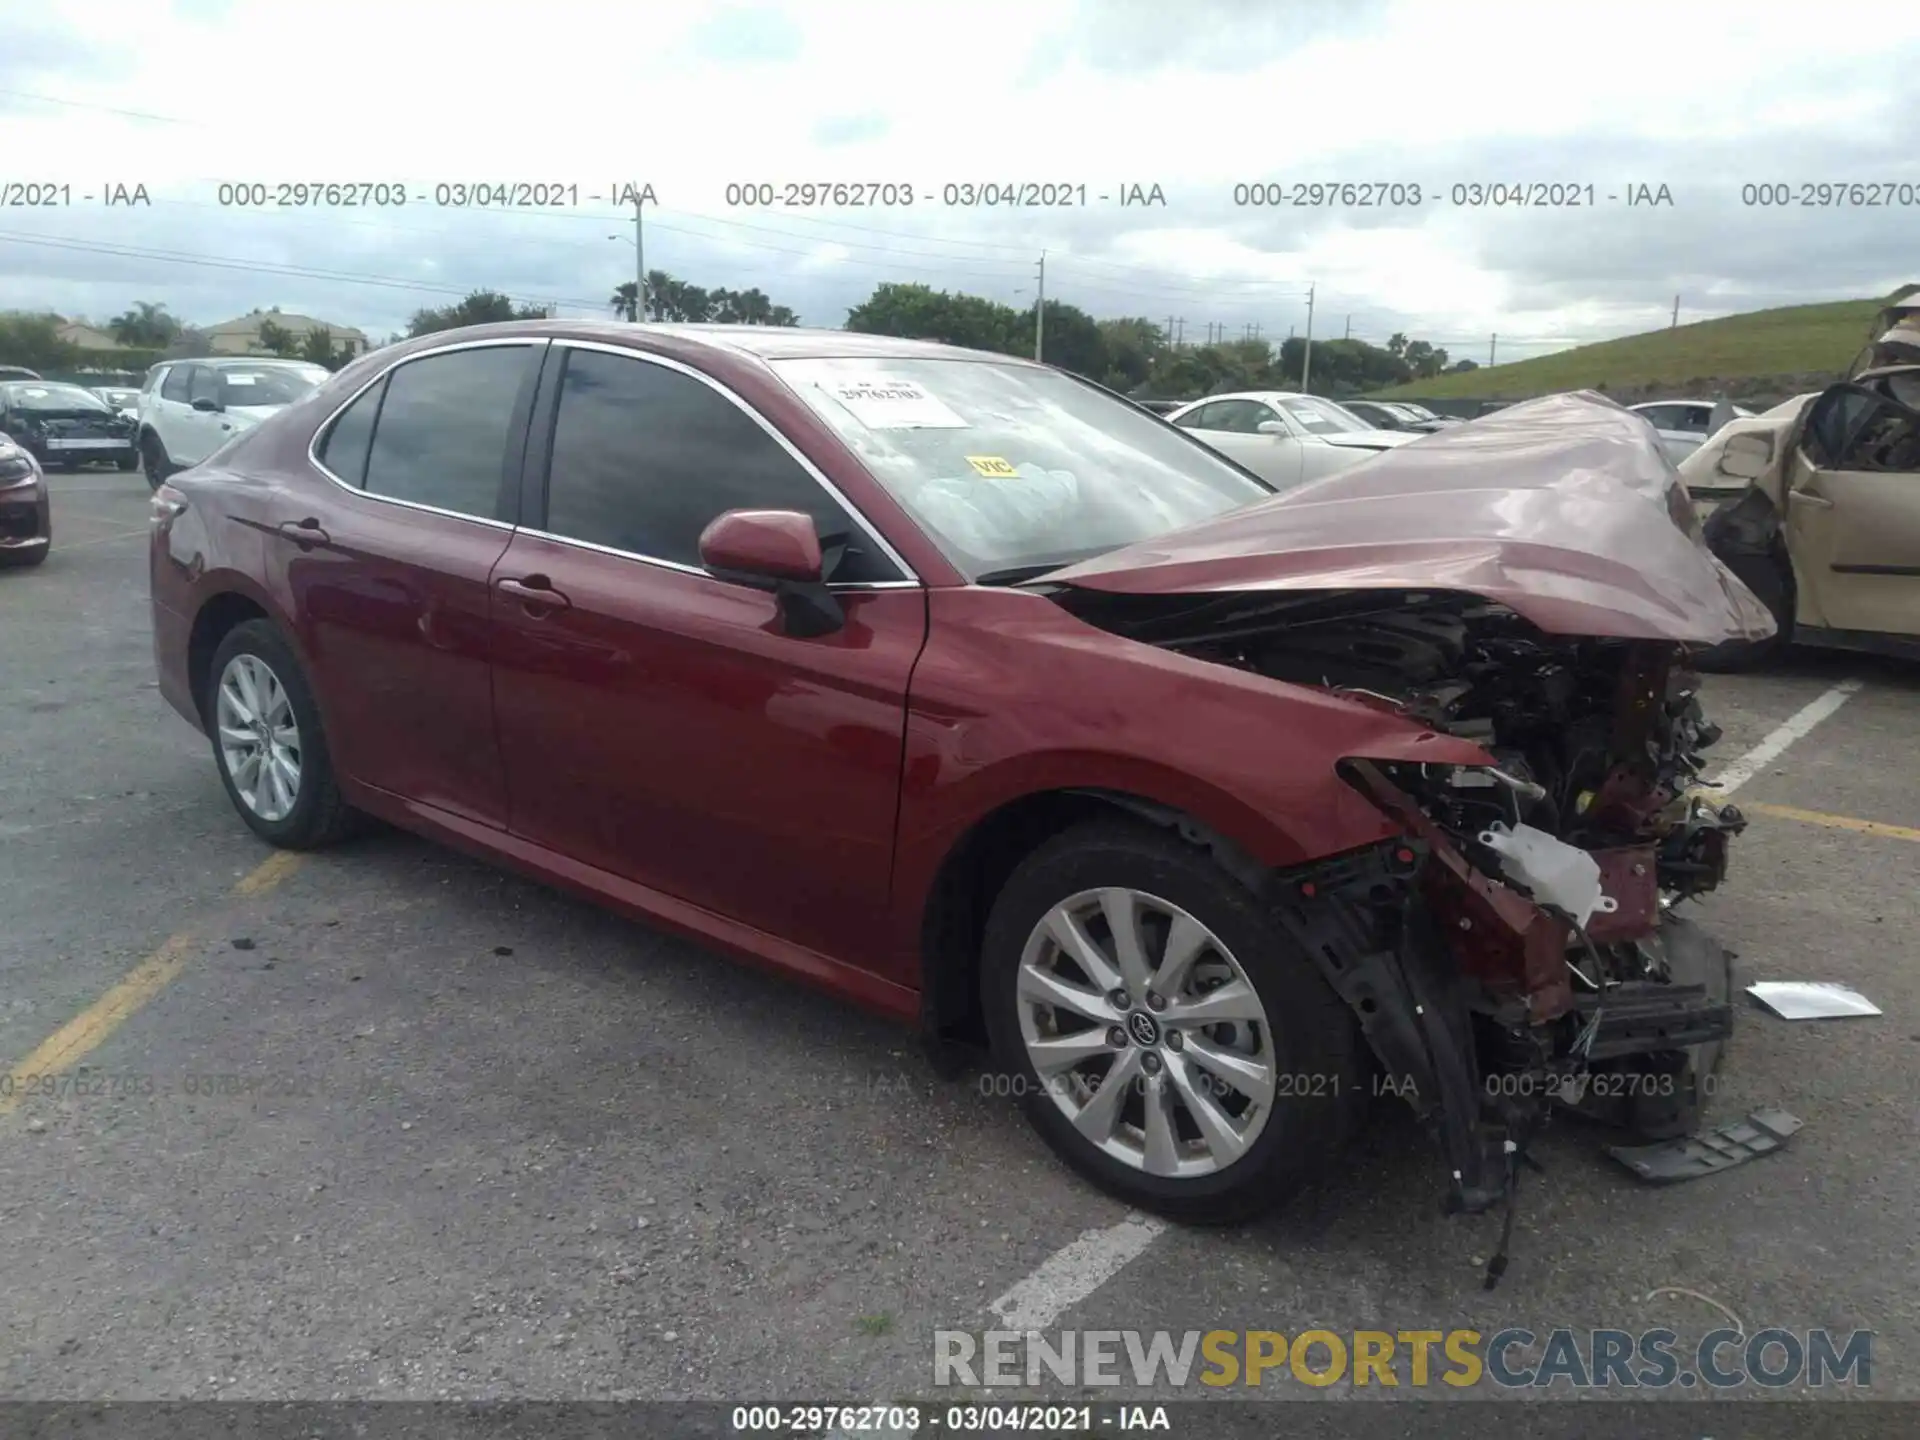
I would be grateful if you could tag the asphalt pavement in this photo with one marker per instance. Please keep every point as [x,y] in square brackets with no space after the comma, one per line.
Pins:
[384,1122]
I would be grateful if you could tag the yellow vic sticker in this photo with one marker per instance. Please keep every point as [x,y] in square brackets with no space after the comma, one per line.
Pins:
[993,467]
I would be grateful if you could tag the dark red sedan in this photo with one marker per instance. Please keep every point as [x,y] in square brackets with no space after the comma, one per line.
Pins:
[974,692]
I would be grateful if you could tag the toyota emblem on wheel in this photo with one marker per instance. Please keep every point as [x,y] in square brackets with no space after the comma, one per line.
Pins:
[1144,1029]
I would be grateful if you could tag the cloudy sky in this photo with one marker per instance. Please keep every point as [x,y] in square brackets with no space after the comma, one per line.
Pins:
[690,96]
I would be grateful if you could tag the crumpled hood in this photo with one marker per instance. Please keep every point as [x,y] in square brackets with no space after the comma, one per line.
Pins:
[1565,509]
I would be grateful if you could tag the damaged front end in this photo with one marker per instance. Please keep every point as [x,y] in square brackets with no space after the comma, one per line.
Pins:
[1514,949]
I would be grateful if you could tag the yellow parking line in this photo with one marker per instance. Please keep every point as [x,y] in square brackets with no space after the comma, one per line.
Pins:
[83,1034]
[1835,822]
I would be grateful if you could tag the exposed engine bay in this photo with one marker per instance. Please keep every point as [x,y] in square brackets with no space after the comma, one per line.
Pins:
[1515,951]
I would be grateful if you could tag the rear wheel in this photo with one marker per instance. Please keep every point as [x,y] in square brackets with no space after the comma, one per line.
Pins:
[153,459]
[1770,578]
[1161,1034]
[268,742]
[128,462]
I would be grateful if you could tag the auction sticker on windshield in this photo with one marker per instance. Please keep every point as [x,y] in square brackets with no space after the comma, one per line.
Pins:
[993,467]
[883,403]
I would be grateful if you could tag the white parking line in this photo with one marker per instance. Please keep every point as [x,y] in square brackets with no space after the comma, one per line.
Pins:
[1070,1275]
[1775,744]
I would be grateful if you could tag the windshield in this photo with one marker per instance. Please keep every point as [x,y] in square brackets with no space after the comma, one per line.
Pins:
[1416,412]
[1011,468]
[1321,417]
[55,397]
[268,385]
[119,397]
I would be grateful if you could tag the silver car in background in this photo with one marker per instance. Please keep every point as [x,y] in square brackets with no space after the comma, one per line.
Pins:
[1285,438]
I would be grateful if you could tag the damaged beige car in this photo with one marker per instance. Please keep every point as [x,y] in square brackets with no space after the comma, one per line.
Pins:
[1816,506]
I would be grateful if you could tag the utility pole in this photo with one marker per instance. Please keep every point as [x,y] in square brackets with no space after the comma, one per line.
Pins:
[1349,334]
[1170,339]
[1676,314]
[1493,345]
[1179,330]
[1306,360]
[639,257]
[1040,308]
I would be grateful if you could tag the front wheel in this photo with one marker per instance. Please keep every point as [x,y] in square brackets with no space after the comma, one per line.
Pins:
[268,742]
[1160,1032]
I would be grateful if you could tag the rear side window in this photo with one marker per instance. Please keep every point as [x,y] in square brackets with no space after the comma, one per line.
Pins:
[343,449]
[441,439]
[174,387]
[644,458]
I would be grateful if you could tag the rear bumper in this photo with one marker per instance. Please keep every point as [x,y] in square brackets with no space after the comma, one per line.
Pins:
[172,634]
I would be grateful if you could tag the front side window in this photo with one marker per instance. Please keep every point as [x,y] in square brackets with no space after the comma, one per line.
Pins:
[646,457]
[177,384]
[1010,467]
[441,437]
[203,383]
[268,385]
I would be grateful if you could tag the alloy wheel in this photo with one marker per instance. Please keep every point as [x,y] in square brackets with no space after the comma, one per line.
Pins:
[259,737]
[1146,1032]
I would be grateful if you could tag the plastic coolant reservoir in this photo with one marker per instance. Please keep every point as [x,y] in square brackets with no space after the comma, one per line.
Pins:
[1557,873]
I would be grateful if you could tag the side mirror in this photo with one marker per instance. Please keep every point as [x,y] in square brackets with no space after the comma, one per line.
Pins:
[776,550]
[1272,427]
[207,406]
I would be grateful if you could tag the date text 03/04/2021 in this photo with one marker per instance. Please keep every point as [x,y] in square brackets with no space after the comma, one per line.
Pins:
[912,1419]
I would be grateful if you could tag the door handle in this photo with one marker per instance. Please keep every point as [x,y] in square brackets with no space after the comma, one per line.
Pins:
[306,533]
[534,590]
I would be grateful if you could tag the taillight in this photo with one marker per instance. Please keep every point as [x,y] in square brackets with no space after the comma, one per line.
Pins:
[167,502]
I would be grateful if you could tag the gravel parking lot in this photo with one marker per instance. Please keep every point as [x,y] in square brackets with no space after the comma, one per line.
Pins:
[383,1122]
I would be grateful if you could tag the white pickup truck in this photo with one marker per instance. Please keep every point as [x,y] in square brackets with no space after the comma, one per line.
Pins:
[190,408]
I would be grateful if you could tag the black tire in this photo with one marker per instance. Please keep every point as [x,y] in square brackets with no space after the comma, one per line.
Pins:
[153,459]
[319,815]
[1311,1031]
[1770,578]
[24,559]
[128,462]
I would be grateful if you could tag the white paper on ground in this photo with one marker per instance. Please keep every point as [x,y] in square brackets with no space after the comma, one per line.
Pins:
[1811,999]
[882,402]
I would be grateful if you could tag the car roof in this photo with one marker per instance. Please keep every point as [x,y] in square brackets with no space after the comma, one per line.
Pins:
[761,342]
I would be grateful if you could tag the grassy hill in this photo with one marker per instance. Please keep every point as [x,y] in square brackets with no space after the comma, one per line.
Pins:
[1740,353]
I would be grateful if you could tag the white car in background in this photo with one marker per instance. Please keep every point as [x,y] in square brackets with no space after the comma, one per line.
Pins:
[190,408]
[126,401]
[1686,425]
[1286,439]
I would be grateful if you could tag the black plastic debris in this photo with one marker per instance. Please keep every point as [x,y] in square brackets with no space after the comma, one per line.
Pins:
[1761,1133]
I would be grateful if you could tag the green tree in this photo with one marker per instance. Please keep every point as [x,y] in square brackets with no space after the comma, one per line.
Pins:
[317,346]
[34,341]
[1133,346]
[146,326]
[276,339]
[482,307]
[920,312]
[1072,339]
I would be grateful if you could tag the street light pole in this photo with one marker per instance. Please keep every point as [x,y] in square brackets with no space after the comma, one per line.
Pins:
[1306,360]
[639,258]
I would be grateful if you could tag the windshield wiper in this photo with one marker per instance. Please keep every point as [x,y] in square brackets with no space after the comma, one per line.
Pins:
[1018,574]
